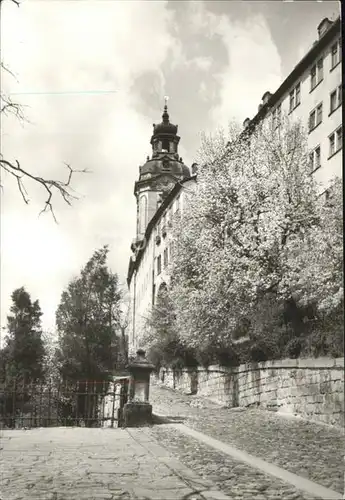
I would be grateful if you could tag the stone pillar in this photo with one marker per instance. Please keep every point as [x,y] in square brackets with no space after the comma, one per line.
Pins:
[138,411]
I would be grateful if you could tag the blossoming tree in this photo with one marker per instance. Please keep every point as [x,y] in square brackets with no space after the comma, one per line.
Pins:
[251,239]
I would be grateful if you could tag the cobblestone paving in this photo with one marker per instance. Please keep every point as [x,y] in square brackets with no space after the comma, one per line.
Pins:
[239,481]
[313,451]
[90,464]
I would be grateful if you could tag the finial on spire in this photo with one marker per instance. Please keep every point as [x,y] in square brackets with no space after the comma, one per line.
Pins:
[165,115]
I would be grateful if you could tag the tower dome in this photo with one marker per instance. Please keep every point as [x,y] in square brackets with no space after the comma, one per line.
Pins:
[165,127]
[160,173]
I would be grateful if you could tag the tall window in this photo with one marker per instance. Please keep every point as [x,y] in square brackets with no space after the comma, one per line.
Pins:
[292,100]
[142,214]
[298,94]
[315,117]
[165,145]
[320,70]
[177,206]
[335,141]
[335,54]
[316,74]
[159,264]
[313,77]
[276,116]
[315,159]
[335,99]
[312,120]
[153,294]
[331,144]
[295,97]
[339,133]
[165,257]
[318,114]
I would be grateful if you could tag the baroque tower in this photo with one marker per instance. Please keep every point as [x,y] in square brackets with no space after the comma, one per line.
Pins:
[158,175]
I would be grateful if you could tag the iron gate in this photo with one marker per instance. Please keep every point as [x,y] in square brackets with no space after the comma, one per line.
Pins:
[68,403]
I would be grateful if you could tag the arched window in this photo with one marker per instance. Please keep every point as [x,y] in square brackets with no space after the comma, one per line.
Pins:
[142,214]
[165,145]
[162,290]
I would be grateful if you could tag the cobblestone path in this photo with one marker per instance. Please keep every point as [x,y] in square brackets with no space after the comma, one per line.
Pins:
[313,451]
[163,462]
[239,481]
[90,464]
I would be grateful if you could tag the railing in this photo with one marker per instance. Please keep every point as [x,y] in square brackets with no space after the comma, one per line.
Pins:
[68,403]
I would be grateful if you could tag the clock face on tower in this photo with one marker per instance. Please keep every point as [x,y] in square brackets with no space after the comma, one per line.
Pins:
[165,164]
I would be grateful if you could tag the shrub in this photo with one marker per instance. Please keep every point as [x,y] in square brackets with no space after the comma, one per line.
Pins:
[260,351]
[293,348]
[325,335]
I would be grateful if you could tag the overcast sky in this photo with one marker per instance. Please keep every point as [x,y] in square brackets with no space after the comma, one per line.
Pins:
[92,75]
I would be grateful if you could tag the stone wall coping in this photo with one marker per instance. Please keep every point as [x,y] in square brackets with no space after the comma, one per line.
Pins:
[311,363]
[311,388]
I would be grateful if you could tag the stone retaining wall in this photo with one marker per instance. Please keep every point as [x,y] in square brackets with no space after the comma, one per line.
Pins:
[309,388]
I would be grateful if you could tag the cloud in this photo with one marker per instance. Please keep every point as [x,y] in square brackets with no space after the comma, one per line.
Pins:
[212,66]
[67,47]
[254,64]
[204,63]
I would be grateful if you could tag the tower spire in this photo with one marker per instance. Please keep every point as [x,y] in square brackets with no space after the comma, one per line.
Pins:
[165,115]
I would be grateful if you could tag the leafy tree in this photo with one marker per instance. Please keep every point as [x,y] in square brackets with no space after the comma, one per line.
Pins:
[317,259]
[22,358]
[87,319]
[24,351]
[122,327]
[50,360]
[161,338]
[254,212]
[88,350]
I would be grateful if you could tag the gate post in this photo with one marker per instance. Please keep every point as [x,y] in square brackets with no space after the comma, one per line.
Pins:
[138,410]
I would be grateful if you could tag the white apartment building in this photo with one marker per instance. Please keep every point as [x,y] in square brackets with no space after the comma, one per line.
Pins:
[313,93]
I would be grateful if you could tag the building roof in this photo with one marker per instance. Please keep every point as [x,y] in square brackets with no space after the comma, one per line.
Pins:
[155,164]
[133,265]
[297,72]
[272,100]
[165,127]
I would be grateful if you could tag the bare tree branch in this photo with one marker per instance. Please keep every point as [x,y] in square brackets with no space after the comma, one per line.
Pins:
[9,107]
[7,69]
[14,1]
[63,188]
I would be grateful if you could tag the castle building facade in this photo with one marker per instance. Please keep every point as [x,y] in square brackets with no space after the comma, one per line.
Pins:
[160,197]
[311,93]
